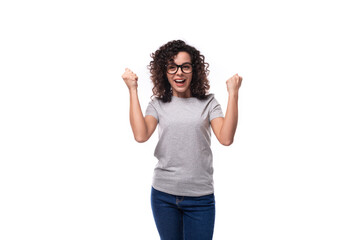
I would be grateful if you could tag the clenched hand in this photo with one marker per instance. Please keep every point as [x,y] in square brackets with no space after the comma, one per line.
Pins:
[130,79]
[233,84]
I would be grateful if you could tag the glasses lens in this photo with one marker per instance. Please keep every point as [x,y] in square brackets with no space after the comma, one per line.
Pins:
[187,68]
[171,68]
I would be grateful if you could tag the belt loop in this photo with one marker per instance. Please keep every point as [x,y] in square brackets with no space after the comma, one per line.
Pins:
[179,199]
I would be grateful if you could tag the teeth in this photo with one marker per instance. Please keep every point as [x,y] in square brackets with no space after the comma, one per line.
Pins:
[179,81]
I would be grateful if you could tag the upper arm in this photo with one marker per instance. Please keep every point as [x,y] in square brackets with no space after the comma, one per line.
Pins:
[151,123]
[216,125]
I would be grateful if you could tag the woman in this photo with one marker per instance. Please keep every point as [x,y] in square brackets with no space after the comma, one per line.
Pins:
[182,194]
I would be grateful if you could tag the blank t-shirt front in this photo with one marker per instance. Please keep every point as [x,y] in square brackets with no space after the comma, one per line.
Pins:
[185,162]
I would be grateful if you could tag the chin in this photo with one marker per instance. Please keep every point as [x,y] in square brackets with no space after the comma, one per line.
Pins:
[181,90]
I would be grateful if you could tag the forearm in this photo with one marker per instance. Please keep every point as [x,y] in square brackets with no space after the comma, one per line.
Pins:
[228,129]
[137,119]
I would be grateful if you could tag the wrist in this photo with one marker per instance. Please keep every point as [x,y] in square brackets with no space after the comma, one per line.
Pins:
[233,94]
[133,90]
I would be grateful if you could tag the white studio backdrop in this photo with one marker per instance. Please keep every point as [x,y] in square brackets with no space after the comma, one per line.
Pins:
[71,169]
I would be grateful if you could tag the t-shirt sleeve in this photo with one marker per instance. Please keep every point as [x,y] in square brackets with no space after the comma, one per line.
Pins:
[215,109]
[151,110]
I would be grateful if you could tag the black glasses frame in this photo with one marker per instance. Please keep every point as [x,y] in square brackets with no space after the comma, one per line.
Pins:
[179,66]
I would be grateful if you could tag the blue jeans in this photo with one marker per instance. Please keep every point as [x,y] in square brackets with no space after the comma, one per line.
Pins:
[182,217]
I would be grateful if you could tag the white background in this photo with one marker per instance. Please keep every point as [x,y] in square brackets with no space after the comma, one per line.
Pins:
[71,169]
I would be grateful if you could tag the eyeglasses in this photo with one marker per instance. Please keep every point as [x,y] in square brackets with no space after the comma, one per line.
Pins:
[173,68]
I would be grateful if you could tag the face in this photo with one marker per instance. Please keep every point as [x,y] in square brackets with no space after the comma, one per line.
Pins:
[180,81]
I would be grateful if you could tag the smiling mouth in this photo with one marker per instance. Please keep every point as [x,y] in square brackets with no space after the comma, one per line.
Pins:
[180,82]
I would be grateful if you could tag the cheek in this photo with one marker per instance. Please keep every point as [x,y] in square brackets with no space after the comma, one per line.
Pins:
[190,77]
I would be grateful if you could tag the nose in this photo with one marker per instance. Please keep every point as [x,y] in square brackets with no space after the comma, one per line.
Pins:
[179,72]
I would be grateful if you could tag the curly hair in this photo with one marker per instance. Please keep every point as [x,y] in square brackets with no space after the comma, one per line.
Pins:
[162,89]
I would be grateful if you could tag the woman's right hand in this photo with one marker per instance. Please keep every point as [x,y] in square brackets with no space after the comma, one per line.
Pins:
[130,79]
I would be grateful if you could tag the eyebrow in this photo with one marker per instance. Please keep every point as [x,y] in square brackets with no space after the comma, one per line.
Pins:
[172,62]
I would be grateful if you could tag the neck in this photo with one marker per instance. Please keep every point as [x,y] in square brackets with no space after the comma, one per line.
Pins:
[186,94]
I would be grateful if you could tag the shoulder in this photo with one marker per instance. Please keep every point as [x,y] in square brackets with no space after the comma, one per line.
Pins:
[210,98]
[154,101]
[210,95]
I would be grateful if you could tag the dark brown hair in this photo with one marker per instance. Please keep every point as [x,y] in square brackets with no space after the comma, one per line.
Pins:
[162,89]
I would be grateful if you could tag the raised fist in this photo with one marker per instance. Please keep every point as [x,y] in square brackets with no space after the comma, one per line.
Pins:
[233,84]
[130,79]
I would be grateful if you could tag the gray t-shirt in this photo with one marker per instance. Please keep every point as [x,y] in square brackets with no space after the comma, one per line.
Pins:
[185,163]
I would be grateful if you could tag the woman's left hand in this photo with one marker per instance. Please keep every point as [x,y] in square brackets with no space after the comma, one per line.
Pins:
[233,84]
